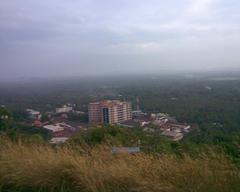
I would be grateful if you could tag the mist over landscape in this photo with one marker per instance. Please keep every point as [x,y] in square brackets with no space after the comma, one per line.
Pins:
[119,96]
[92,38]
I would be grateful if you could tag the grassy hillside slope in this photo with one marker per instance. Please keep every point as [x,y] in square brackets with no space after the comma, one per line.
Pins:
[42,168]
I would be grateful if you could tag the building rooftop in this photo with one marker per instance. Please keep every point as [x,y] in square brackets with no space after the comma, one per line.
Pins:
[108,102]
[54,128]
[32,112]
[58,140]
[59,127]
[129,123]
[173,135]
[130,150]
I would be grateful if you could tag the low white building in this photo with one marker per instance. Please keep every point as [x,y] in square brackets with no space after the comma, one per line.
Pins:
[33,114]
[64,109]
[138,113]
[172,135]
[54,128]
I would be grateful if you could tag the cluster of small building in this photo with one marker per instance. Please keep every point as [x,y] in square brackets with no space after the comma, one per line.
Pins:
[120,113]
[158,123]
[65,109]
[57,125]
[111,112]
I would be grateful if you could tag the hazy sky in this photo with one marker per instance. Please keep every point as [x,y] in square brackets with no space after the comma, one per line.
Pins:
[87,37]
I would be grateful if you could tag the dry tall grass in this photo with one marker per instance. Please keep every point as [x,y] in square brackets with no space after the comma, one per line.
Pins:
[43,168]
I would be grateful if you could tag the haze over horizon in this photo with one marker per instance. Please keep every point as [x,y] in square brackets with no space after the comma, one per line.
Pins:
[90,37]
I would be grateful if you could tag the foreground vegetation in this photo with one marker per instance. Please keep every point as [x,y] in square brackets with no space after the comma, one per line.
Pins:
[25,167]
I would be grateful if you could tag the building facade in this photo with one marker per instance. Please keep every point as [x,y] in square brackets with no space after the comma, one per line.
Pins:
[109,111]
[64,109]
[32,114]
